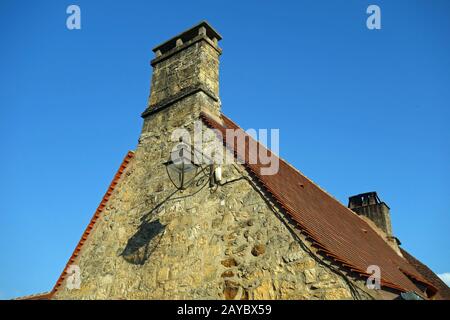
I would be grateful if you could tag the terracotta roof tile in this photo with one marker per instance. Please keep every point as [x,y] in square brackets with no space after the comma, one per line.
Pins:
[443,289]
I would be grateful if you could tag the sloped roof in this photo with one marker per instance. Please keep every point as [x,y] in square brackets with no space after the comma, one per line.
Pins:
[443,289]
[336,230]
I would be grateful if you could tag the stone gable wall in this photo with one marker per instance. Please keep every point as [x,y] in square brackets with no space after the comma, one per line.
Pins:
[225,242]
[208,243]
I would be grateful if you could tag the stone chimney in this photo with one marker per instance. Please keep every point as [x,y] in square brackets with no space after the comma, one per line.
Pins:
[369,205]
[186,74]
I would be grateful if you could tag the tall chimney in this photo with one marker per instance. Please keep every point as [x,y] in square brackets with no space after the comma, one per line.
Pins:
[369,205]
[186,73]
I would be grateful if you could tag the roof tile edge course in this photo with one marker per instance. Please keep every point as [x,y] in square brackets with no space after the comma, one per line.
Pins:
[93,220]
[36,296]
[403,283]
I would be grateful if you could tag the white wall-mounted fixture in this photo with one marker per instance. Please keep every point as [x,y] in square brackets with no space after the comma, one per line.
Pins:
[218,174]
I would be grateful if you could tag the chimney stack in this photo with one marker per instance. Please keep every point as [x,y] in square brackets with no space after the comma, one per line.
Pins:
[186,72]
[369,205]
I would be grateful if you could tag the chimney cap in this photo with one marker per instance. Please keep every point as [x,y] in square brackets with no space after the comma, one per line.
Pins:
[187,35]
[364,199]
[365,195]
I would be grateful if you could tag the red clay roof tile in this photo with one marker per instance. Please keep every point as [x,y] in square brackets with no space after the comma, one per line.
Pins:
[443,289]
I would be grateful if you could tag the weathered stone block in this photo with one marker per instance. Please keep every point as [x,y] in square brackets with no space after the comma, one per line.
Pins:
[310,275]
[258,250]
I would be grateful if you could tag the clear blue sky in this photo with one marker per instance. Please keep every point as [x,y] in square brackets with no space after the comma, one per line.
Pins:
[358,110]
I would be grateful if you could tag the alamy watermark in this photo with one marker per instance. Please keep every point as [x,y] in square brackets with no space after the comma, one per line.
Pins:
[373,22]
[74,279]
[73,21]
[249,146]
[374,280]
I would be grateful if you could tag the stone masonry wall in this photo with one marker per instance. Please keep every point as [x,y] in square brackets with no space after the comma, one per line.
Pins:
[223,243]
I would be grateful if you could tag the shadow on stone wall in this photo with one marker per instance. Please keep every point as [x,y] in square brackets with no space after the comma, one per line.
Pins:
[142,244]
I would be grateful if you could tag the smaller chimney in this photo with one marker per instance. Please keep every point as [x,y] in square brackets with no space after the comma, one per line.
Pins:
[369,205]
